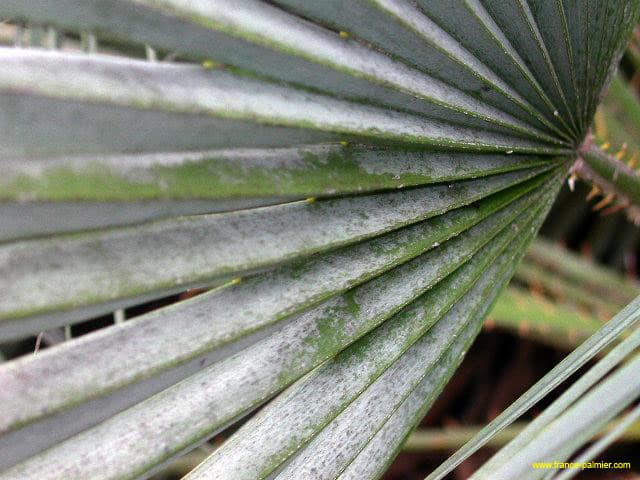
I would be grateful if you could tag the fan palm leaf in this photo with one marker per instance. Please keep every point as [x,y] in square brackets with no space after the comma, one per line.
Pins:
[352,182]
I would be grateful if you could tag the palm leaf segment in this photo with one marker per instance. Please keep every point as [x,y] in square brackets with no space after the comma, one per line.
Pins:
[368,173]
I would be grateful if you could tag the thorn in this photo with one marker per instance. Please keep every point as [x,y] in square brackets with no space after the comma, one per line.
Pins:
[622,152]
[614,209]
[633,161]
[603,314]
[520,303]
[595,191]
[536,288]
[557,294]
[600,124]
[547,306]
[524,328]
[311,200]
[572,334]
[236,281]
[606,201]
[344,34]
[571,181]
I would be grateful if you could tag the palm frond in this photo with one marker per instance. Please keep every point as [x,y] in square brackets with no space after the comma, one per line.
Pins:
[352,183]
[625,321]
[574,418]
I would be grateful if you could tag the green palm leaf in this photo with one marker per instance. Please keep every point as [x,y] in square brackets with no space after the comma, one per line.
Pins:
[576,416]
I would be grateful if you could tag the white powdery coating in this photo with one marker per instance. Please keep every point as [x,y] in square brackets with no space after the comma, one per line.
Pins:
[191,89]
[93,268]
